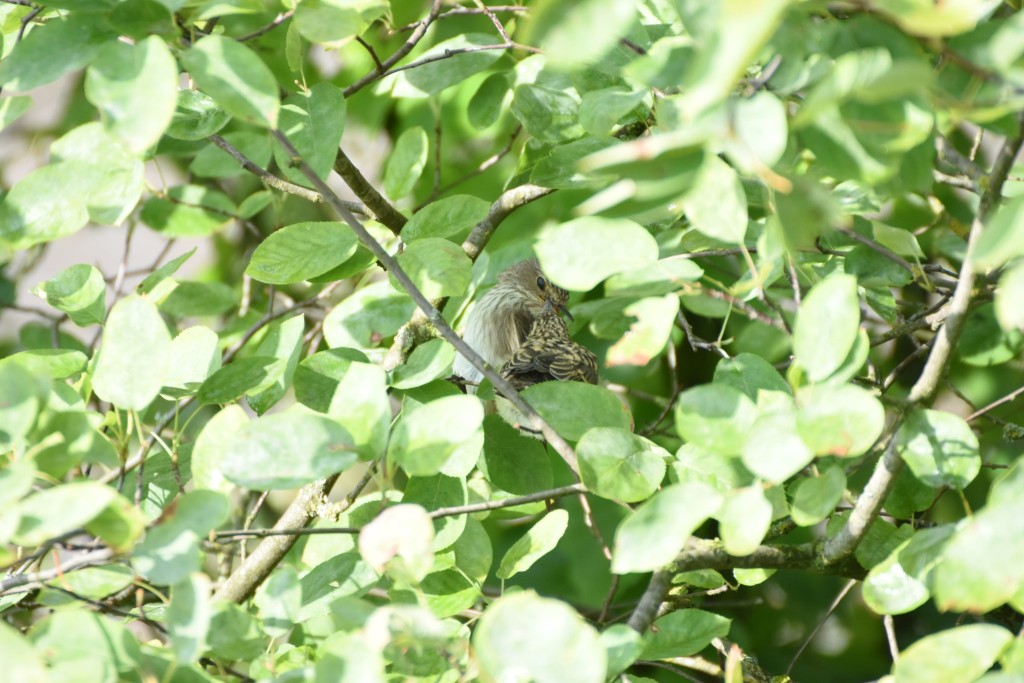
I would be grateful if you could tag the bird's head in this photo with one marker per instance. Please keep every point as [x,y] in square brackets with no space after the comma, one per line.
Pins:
[535,290]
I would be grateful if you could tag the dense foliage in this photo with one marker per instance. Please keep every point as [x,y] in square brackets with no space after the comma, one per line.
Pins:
[793,232]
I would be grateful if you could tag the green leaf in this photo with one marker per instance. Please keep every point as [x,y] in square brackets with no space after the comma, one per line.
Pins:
[436,266]
[333,22]
[489,101]
[235,77]
[984,342]
[427,362]
[601,110]
[60,45]
[743,520]
[57,363]
[126,79]
[300,251]
[279,600]
[359,403]
[433,77]
[750,374]
[529,637]
[196,355]
[956,655]
[622,645]
[398,542]
[193,299]
[134,354]
[406,163]
[60,509]
[646,338]
[898,584]
[426,437]
[513,462]
[1009,293]
[577,256]
[119,524]
[240,376]
[619,465]
[773,449]
[435,492]
[79,291]
[940,448]
[573,408]
[23,662]
[234,633]
[717,205]
[716,417]
[667,275]
[683,633]
[163,272]
[367,317]
[814,498]
[286,450]
[842,420]
[283,342]
[534,544]
[313,120]
[188,617]
[196,117]
[188,211]
[826,326]
[761,132]
[576,35]
[451,217]
[983,565]
[85,646]
[548,114]
[90,177]
[211,446]
[653,534]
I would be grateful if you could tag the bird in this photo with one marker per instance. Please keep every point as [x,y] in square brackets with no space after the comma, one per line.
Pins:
[548,353]
[501,320]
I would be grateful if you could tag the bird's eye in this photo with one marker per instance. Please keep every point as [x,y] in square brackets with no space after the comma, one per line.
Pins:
[541,283]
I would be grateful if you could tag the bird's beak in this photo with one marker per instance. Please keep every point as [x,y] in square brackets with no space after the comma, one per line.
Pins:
[562,309]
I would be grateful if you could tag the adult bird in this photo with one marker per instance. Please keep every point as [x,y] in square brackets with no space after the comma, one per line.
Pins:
[501,320]
[548,353]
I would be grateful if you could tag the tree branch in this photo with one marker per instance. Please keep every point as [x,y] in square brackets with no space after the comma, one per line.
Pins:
[406,48]
[273,181]
[382,209]
[871,499]
[89,559]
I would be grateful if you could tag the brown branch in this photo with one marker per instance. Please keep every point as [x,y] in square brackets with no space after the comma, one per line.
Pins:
[276,183]
[448,54]
[382,209]
[995,404]
[505,204]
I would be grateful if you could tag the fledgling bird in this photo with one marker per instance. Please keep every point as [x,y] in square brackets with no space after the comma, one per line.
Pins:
[549,353]
[501,320]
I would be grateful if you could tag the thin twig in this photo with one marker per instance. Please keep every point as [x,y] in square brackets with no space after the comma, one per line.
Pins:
[890,637]
[995,404]
[821,622]
[418,32]
[89,559]
[276,183]
[278,20]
